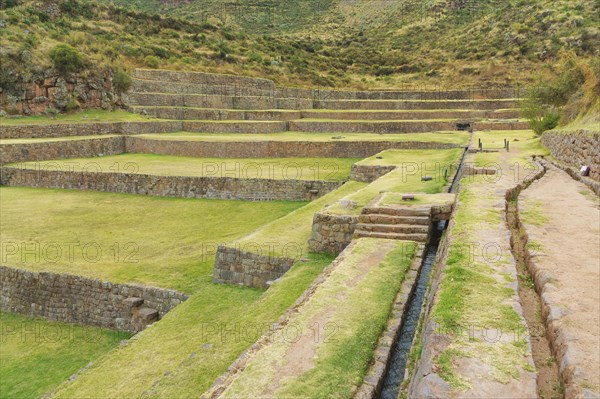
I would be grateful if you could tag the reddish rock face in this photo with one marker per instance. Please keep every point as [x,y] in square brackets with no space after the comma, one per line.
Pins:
[36,97]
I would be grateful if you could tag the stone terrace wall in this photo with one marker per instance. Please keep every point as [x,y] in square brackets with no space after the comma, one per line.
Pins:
[201,101]
[234,266]
[576,149]
[369,173]
[170,186]
[370,127]
[87,129]
[331,233]
[61,149]
[200,78]
[272,149]
[76,299]
[248,127]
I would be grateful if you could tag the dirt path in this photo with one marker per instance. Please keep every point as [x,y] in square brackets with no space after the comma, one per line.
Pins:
[562,221]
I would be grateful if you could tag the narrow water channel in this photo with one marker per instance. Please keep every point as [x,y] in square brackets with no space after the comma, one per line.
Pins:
[397,365]
[395,374]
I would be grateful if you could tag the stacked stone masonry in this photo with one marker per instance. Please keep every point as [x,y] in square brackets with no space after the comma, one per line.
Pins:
[236,266]
[170,186]
[87,129]
[76,299]
[576,149]
[331,233]
[369,173]
[271,149]
[47,150]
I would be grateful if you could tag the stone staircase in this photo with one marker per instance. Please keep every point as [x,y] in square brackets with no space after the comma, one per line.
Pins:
[411,224]
[211,103]
[141,316]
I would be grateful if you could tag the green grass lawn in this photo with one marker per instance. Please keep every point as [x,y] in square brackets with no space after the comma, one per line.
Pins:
[37,355]
[166,242]
[459,138]
[406,178]
[85,116]
[332,169]
[350,310]
[522,145]
[182,354]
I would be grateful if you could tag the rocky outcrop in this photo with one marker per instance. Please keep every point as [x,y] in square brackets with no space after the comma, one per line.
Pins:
[50,91]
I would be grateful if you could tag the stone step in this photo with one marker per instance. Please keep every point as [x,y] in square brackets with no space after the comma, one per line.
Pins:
[190,113]
[416,104]
[412,114]
[422,212]
[388,219]
[393,228]
[147,315]
[390,236]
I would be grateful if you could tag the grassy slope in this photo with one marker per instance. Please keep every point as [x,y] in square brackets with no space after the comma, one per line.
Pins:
[182,355]
[368,43]
[350,309]
[331,169]
[165,242]
[37,355]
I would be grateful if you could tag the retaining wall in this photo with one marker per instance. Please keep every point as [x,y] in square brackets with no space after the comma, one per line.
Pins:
[170,186]
[201,78]
[369,173]
[274,149]
[415,104]
[87,129]
[76,299]
[235,266]
[575,149]
[250,127]
[331,233]
[47,150]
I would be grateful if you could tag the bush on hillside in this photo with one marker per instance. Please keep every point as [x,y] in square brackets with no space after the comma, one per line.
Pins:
[572,92]
[121,82]
[67,59]
[151,61]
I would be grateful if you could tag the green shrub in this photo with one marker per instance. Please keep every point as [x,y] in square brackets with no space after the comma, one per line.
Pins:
[72,105]
[151,61]
[67,59]
[121,81]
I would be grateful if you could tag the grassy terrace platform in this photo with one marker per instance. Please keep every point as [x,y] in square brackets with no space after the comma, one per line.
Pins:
[411,165]
[459,138]
[164,242]
[331,169]
[349,309]
[37,355]
[522,145]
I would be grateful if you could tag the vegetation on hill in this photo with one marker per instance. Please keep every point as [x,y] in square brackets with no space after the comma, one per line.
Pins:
[329,43]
